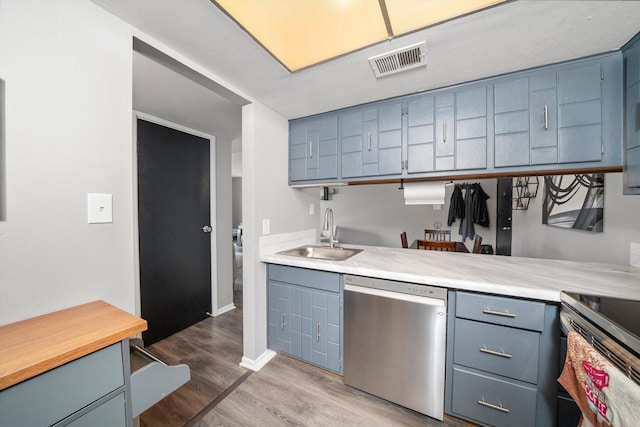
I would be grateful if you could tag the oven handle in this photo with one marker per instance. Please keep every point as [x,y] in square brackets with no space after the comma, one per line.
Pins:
[565,323]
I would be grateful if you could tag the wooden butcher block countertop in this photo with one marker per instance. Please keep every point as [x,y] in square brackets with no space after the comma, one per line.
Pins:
[33,346]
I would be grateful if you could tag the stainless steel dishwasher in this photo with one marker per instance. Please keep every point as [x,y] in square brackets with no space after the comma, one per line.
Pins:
[394,341]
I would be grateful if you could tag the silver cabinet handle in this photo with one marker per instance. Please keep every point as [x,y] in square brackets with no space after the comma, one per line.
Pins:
[484,349]
[310,149]
[207,229]
[282,321]
[318,331]
[444,131]
[498,313]
[369,143]
[506,228]
[546,117]
[489,405]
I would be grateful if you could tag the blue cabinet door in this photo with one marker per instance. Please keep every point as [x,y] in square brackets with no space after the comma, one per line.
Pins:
[471,128]
[390,138]
[313,148]
[298,150]
[359,142]
[370,142]
[580,113]
[632,117]
[420,134]
[511,122]
[328,147]
[543,116]
[279,316]
[351,143]
[445,132]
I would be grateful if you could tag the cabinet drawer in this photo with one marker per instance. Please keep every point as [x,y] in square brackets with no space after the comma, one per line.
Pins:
[323,280]
[497,349]
[501,311]
[53,395]
[492,401]
[110,414]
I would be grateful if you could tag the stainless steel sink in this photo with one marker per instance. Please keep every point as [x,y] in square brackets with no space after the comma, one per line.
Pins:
[322,252]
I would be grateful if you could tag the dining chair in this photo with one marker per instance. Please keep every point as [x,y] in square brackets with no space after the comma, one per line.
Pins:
[437,245]
[403,239]
[430,234]
[477,244]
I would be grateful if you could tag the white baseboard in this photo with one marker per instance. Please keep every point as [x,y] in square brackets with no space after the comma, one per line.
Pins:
[225,309]
[260,362]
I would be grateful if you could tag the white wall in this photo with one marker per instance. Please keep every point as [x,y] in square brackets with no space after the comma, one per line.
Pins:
[67,67]
[265,195]
[376,215]
[531,238]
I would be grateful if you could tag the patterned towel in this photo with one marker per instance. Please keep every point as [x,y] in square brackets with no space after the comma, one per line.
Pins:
[604,394]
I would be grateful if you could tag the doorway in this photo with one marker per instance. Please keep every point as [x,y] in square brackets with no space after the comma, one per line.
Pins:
[174,228]
[503,220]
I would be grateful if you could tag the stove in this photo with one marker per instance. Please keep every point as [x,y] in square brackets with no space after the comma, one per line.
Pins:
[610,325]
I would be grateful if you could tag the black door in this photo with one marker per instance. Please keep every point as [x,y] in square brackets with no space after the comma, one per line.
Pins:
[503,221]
[173,208]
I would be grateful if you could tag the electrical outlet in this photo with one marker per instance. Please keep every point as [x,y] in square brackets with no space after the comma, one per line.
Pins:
[312,208]
[266,227]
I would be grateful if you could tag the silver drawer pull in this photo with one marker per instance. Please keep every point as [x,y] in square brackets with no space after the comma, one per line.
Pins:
[282,321]
[489,405]
[498,313]
[318,331]
[484,349]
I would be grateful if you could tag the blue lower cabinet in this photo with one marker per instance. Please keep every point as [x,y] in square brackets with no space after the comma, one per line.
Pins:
[501,370]
[305,315]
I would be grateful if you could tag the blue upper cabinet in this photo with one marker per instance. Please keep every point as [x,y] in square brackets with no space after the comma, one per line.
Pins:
[359,142]
[511,122]
[552,118]
[313,148]
[580,113]
[371,140]
[559,115]
[631,54]
[445,132]
[390,138]
[471,128]
[420,134]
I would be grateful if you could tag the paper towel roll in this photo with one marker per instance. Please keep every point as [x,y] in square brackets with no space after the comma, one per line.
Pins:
[424,193]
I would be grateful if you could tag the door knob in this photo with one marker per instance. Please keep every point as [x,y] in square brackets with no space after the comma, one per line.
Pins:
[207,229]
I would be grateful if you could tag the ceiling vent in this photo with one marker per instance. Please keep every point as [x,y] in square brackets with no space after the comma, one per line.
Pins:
[399,60]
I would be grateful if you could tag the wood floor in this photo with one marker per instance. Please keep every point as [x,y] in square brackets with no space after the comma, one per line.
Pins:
[285,392]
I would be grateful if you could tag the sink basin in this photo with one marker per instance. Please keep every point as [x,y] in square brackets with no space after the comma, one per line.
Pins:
[322,252]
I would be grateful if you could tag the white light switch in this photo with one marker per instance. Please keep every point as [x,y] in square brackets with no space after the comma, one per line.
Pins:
[266,227]
[312,208]
[99,208]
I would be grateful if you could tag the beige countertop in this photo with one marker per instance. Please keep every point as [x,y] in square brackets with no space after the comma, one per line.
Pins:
[540,279]
[33,346]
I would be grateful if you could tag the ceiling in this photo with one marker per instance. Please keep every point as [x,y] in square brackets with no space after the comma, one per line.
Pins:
[512,36]
[303,33]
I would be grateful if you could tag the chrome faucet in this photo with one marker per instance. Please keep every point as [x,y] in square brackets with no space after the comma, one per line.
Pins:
[328,225]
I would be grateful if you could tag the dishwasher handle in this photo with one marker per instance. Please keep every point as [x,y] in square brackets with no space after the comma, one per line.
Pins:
[419,299]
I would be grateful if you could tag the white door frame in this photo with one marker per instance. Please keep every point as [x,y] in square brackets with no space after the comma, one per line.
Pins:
[212,180]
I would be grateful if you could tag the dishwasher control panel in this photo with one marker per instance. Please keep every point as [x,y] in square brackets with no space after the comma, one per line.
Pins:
[393,286]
